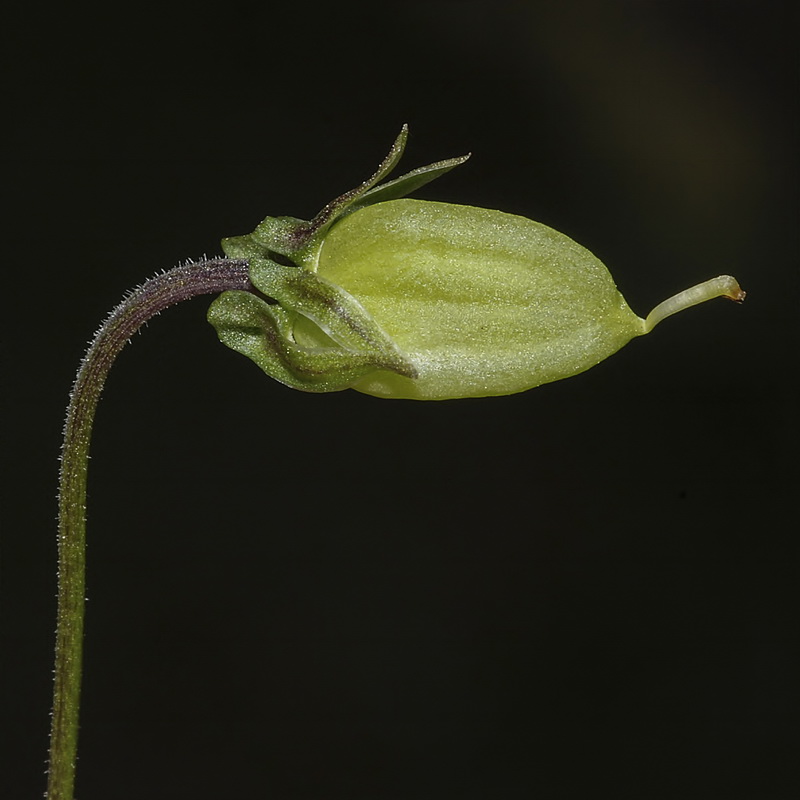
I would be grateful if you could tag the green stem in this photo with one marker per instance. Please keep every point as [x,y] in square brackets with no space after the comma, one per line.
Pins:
[171,287]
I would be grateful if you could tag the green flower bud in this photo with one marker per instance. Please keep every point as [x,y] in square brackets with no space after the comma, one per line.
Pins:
[412,299]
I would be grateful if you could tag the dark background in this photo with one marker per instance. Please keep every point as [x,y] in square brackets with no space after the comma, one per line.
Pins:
[586,590]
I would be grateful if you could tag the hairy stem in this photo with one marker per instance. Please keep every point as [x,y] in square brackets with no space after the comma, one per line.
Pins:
[171,287]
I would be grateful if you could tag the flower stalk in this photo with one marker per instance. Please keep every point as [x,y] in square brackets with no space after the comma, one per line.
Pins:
[167,289]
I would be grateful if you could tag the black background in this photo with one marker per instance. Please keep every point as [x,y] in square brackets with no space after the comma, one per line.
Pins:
[584,590]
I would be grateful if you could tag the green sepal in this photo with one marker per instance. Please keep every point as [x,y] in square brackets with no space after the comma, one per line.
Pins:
[408,183]
[245,247]
[263,333]
[299,240]
[334,310]
[352,344]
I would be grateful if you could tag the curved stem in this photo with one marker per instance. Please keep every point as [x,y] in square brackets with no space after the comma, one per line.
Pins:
[171,287]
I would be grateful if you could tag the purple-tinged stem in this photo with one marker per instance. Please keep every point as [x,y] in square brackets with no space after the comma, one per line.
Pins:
[171,287]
